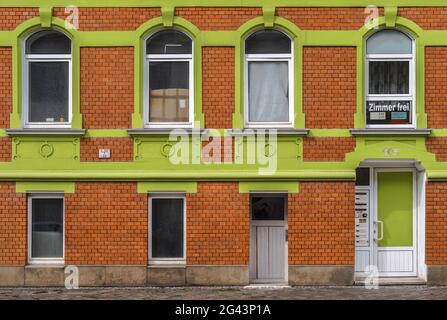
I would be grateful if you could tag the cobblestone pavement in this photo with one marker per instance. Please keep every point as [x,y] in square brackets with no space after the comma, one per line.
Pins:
[234,293]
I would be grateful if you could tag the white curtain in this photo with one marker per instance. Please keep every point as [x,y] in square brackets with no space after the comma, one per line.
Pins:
[268,91]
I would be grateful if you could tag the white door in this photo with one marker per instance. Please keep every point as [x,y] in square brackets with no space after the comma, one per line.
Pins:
[268,241]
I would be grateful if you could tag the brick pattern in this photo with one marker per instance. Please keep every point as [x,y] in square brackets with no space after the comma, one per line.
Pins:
[435,88]
[325,18]
[436,223]
[121,149]
[10,18]
[5,86]
[321,224]
[329,87]
[106,19]
[107,84]
[434,18]
[218,86]
[106,223]
[218,18]
[218,225]
[437,145]
[220,150]
[13,227]
[5,149]
[327,148]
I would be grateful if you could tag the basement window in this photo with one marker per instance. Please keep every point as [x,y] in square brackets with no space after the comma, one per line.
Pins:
[46,80]
[46,229]
[268,80]
[168,80]
[390,80]
[167,229]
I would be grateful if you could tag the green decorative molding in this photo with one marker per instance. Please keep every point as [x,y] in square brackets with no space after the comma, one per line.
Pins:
[171,186]
[289,187]
[167,13]
[28,186]
[390,16]
[45,14]
[268,14]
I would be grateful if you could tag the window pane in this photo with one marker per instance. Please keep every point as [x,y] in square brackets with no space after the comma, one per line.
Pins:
[48,42]
[268,91]
[267,208]
[267,41]
[167,228]
[389,77]
[389,42]
[169,42]
[169,91]
[48,91]
[47,228]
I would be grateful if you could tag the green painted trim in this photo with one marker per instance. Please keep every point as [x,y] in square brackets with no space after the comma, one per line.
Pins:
[112,133]
[289,187]
[171,186]
[268,14]
[438,133]
[45,14]
[390,16]
[317,133]
[24,187]
[167,13]
[222,3]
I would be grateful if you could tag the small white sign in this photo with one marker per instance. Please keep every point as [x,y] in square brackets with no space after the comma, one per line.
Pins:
[378,115]
[104,153]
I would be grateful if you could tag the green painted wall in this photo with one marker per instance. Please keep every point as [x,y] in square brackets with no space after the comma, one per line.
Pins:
[58,158]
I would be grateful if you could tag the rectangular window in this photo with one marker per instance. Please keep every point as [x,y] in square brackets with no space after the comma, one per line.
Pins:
[268,86]
[46,229]
[389,77]
[268,207]
[167,229]
[48,92]
[169,91]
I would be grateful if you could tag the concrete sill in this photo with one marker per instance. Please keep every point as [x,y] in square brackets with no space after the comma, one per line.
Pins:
[390,132]
[43,265]
[178,131]
[45,132]
[281,131]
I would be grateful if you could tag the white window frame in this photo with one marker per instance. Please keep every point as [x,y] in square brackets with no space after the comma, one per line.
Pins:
[148,58]
[155,261]
[32,260]
[268,57]
[27,59]
[411,96]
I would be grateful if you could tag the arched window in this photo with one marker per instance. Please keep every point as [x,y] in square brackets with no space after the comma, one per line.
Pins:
[268,79]
[169,80]
[390,79]
[47,80]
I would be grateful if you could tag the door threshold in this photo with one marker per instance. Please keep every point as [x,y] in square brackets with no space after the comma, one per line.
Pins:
[394,281]
[279,285]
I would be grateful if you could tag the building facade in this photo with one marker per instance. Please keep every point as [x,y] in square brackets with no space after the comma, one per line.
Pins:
[222,142]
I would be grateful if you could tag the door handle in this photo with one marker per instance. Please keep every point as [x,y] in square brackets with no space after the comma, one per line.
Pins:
[381,230]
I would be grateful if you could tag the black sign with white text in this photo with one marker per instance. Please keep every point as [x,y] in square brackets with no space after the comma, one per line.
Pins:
[388,112]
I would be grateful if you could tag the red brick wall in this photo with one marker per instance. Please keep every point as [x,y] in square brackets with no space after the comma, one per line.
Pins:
[13,228]
[121,149]
[321,224]
[107,96]
[223,18]
[436,223]
[220,150]
[218,86]
[426,18]
[436,86]
[438,147]
[217,224]
[325,18]
[5,86]
[329,87]
[327,149]
[5,149]
[10,18]
[106,223]
[104,19]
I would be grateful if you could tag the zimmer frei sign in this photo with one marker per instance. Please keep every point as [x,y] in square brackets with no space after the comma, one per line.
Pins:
[388,112]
